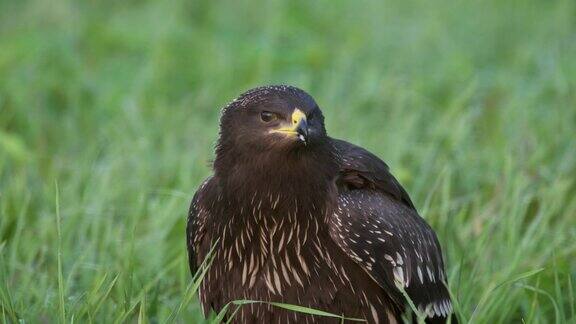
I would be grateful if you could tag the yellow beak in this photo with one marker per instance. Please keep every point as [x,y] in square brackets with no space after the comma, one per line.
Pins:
[298,126]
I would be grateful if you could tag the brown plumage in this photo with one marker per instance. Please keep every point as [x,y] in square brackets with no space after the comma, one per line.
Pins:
[300,218]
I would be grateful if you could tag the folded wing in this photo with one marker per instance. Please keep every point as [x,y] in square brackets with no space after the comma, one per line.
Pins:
[376,224]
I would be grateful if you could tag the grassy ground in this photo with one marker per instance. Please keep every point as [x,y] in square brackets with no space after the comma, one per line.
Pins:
[109,112]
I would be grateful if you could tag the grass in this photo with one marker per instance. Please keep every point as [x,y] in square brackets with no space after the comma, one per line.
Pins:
[472,104]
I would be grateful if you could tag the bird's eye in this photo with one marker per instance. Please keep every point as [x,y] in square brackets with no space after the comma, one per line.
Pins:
[267,116]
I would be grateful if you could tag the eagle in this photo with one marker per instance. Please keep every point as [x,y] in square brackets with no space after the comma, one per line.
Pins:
[293,216]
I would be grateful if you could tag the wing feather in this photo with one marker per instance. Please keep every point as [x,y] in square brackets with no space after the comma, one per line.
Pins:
[362,169]
[196,224]
[377,225]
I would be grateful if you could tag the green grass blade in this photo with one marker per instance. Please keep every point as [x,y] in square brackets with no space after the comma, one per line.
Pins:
[547,295]
[195,284]
[514,279]
[61,288]
[297,308]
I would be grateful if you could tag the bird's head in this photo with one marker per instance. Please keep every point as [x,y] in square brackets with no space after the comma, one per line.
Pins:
[273,138]
[272,119]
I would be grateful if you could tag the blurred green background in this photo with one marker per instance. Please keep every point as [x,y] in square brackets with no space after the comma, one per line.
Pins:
[109,113]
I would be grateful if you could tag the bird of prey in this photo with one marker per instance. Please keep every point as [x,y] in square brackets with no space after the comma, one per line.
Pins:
[291,215]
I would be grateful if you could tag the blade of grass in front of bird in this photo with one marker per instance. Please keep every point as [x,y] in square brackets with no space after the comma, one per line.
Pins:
[419,315]
[233,313]
[312,311]
[220,317]
[195,284]
[298,309]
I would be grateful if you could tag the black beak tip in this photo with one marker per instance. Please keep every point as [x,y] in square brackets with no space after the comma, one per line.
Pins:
[302,131]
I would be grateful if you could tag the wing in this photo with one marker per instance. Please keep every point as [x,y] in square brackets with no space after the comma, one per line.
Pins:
[376,224]
[195,227]
[361,169]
